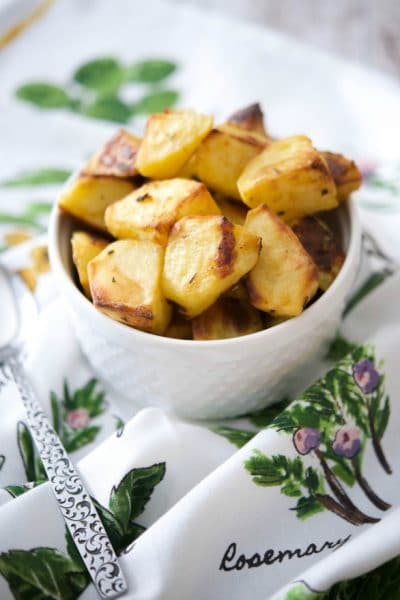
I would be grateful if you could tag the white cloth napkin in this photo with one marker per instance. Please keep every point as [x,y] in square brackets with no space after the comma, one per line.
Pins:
[211,510]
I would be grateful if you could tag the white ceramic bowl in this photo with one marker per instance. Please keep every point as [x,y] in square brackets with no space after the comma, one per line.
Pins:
[208,379]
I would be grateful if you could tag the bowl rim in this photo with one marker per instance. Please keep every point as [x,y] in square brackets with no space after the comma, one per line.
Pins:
[352,256]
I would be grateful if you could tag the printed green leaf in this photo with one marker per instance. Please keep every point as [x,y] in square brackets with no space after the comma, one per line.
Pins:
[48,176]
[300,592]
[56,413]
[339,348]
[264,417]
[150,71]
[18,490]
[75,439]
[44,95]
[10,219]
[42,574]
[86,397]
[129,498]
[311,479]
[108,108]
[27,451]
[307,507]
[155,102]
[102,74]
[119,425]
[382,184]
[373,281]
[238,437]
[383,582]
[342,471]
[35,209]
[284,422]
[291,489]
[267,471]
[382,419]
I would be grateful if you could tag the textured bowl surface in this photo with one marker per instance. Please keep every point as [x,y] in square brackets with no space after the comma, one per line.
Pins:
[211,379]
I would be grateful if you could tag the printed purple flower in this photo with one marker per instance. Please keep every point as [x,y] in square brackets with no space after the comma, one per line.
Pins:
[306,439]
[78,418]
[366,376]
[347,441]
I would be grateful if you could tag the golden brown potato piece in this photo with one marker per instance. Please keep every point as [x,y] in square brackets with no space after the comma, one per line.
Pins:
[250,117]
[85,247]
[88,198]
[14,238]
[150,211]
[125,283]
[179,328]
[345,174]
[234,211]
[291,178]
[227,318]
[285,278]
[238,291]
[223,155]
[116,158]
[170,139]
[323,247]
[206,256]
[188,170]
[40,259]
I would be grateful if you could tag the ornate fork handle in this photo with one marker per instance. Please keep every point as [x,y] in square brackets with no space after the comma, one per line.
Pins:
[73,500]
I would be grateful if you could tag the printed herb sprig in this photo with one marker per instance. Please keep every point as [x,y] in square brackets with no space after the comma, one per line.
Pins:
[333,422]
[49,573]
[96,89]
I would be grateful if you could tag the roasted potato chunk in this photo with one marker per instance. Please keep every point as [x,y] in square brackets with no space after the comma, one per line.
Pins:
[206,256]
[151,210]
[179,328]
[188,170]
[345,174]
[88,198]
[125,283]
[234,211]
[85,247]
[222,156]
[170,139]
[285,278]
[250,117]
[116,158]
[290,177]
[227,318]
[323,247]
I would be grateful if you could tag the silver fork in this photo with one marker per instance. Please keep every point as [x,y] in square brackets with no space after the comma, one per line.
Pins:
[17,311]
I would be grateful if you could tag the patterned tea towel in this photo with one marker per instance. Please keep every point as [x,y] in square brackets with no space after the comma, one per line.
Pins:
[288,502]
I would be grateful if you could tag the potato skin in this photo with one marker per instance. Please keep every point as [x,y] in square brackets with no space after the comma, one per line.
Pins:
[345,173]
[170,139]
[250,117]
[227,318]
[285,277]
[125,283]
[88,197]
[150,211]
[85,247]
[205,256]
[323,247]
[117,158]
[291,177]
[222,156]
